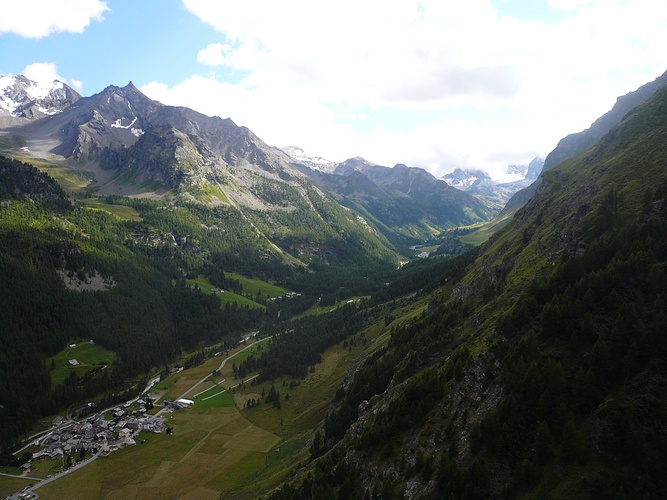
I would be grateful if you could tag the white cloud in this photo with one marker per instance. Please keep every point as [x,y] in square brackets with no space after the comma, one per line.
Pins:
[77,85]
[498,87]
[46,72]
[214,54]
[40,18]
[43,72]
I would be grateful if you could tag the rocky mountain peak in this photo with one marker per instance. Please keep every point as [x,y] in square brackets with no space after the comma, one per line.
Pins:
[22,99]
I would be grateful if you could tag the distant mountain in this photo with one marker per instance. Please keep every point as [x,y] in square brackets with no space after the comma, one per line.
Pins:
[574,144]
[23,100]
[409,205]
[133,145]
[298,155]
[467,179]
[493,193]
[141,140]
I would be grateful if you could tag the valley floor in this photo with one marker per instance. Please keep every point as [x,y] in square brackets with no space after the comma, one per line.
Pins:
[218,448]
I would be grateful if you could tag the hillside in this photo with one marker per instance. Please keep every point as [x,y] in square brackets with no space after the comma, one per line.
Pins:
[114,270]
[538,369]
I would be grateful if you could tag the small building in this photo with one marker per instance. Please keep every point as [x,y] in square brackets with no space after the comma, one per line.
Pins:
[72,346]
[40,454]
[58,421]
[73,362]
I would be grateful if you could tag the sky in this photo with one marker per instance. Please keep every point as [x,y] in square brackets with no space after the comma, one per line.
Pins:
[437,84]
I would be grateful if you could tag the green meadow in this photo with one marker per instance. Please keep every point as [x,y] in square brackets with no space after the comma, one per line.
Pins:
[255,286]
[226,297]
[123,212]
[88,355]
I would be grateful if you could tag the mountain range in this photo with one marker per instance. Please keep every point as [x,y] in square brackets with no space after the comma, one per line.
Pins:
[23,100]
[408,205]
[538,366]
[533,365]
[132,145]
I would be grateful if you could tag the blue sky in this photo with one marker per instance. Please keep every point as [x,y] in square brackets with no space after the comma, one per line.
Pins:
[437,84]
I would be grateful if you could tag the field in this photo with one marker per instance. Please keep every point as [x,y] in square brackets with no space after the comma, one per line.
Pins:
[9,485]
[253,286]
[121,211]
[71,179]
[88,355]
[487,229]
[227,297]
[214,398]
[317,310]
[218,449]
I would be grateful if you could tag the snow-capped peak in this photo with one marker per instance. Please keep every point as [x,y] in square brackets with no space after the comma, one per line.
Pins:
[298,155]
[21,97]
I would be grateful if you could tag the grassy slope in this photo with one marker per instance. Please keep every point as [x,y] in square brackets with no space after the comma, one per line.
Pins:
[123,212]
[226,297]
[88,355]
[254,286]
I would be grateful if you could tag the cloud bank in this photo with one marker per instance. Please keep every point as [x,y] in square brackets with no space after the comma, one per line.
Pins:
[41,18]
[466,85]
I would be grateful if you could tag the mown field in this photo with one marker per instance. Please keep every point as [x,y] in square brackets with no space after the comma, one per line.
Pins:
[226,297]
[254,286]
[10,485]
[88,355]
[123,212]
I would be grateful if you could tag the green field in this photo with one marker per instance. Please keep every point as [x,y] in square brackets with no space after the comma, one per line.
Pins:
[487,229]
[226,297]
[121,211]
[254,286]
[231,298]
[71,179]
[214,398]
[254,350]
[317,310]
[10,485]
[88,355]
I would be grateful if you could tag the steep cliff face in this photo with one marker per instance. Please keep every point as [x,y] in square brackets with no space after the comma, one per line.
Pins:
[579,142]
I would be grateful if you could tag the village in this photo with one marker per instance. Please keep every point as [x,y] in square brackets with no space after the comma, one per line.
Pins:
[101,433]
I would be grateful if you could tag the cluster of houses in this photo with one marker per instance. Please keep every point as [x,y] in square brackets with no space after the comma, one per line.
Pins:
[288,295]
[97,433]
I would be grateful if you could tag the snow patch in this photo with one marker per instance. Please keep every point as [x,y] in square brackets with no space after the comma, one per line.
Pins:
[48,111]
[119,123]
